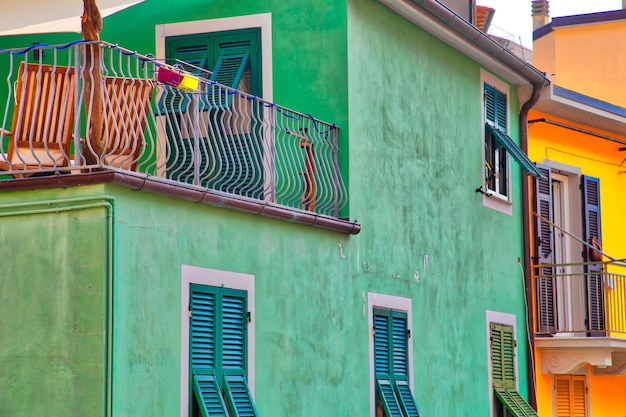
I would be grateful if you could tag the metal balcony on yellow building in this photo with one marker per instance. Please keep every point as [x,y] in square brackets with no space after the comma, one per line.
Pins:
[581,316]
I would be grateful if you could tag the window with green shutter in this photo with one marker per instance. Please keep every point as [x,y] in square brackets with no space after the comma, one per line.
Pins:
[218,352]
[391,364]
[224,153]
[499,145]
[508,402]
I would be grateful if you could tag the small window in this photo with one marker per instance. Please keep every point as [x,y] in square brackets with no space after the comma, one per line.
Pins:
[570,396]
[391,365]
[218,362]
[507,401]
[496,156]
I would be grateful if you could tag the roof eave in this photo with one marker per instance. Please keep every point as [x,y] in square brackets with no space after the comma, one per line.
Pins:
[452,29]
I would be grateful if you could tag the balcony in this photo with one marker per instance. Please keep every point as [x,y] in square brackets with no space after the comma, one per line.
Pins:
[581,316]
[90,107]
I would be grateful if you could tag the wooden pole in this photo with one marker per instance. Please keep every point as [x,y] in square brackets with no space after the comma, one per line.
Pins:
[91,26]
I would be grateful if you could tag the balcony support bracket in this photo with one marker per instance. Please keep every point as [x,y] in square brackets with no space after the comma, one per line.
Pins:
[567,361]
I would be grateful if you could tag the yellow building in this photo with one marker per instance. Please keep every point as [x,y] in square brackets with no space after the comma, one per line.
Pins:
[577,135]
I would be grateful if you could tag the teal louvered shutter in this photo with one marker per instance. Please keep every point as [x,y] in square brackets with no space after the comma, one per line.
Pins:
[381,344]
[490,104]
[229,69]
[388,399]
[501,111]
[407,402]
[204,333]
[592,226]
[400,348]
[391,363]
[209,395]
[234,354]
[544,249]
[239,399]
[234,329]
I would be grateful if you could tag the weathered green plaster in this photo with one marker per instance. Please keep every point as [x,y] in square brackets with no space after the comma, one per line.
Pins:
[52,312]
[415,157]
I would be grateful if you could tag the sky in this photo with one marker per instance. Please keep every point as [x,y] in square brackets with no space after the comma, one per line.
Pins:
[513,20]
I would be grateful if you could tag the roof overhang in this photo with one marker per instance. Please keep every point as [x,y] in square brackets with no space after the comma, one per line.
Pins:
[578,108]
[47,16]
[452,29]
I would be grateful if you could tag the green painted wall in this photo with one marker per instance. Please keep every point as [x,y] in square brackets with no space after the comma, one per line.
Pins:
[415,162]
[52,311]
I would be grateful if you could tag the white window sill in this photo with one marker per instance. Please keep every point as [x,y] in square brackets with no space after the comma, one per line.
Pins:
[498,202]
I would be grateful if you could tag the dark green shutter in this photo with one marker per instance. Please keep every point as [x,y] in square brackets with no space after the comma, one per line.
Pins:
[388,398]
[209,396]
[381,345]
[234,330]
[239,398]
[544,245]
[490,104]
[409,406]
[391,363]
[400,346]
[592,226]
[204,307]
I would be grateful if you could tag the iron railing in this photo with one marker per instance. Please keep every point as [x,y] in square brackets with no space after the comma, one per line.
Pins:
[93,105]
[581,299]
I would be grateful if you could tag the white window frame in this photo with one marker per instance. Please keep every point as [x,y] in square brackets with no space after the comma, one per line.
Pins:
[214,278]
[395,303]
[262,21]
[491,199]
[507,319]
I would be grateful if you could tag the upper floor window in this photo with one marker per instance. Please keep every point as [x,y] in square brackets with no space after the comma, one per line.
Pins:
[496,157]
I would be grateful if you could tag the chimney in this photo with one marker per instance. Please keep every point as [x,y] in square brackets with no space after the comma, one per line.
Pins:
[623,4]
[541,13]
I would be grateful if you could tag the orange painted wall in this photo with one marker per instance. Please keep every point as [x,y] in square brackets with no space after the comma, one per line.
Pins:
[607,395]
[589,59]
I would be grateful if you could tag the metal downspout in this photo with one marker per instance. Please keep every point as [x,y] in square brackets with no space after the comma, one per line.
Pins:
[528,284]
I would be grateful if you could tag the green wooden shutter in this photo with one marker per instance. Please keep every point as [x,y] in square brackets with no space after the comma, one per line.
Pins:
[544,244]
[388,398]
[391,363]
[502,356]
[204,334]
[592,226]
[381,345]
[514,402]
[234,354]
[239,398]
[490,104]
[234,329]
[501,111]
[230,68]
[209,395]
[400,349]
[409,406]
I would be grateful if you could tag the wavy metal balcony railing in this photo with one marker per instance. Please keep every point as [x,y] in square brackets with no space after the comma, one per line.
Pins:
[581,300]
[93,105]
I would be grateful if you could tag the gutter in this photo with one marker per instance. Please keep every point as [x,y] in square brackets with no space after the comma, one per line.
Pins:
[449,27]
[528,282]
[208,197]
